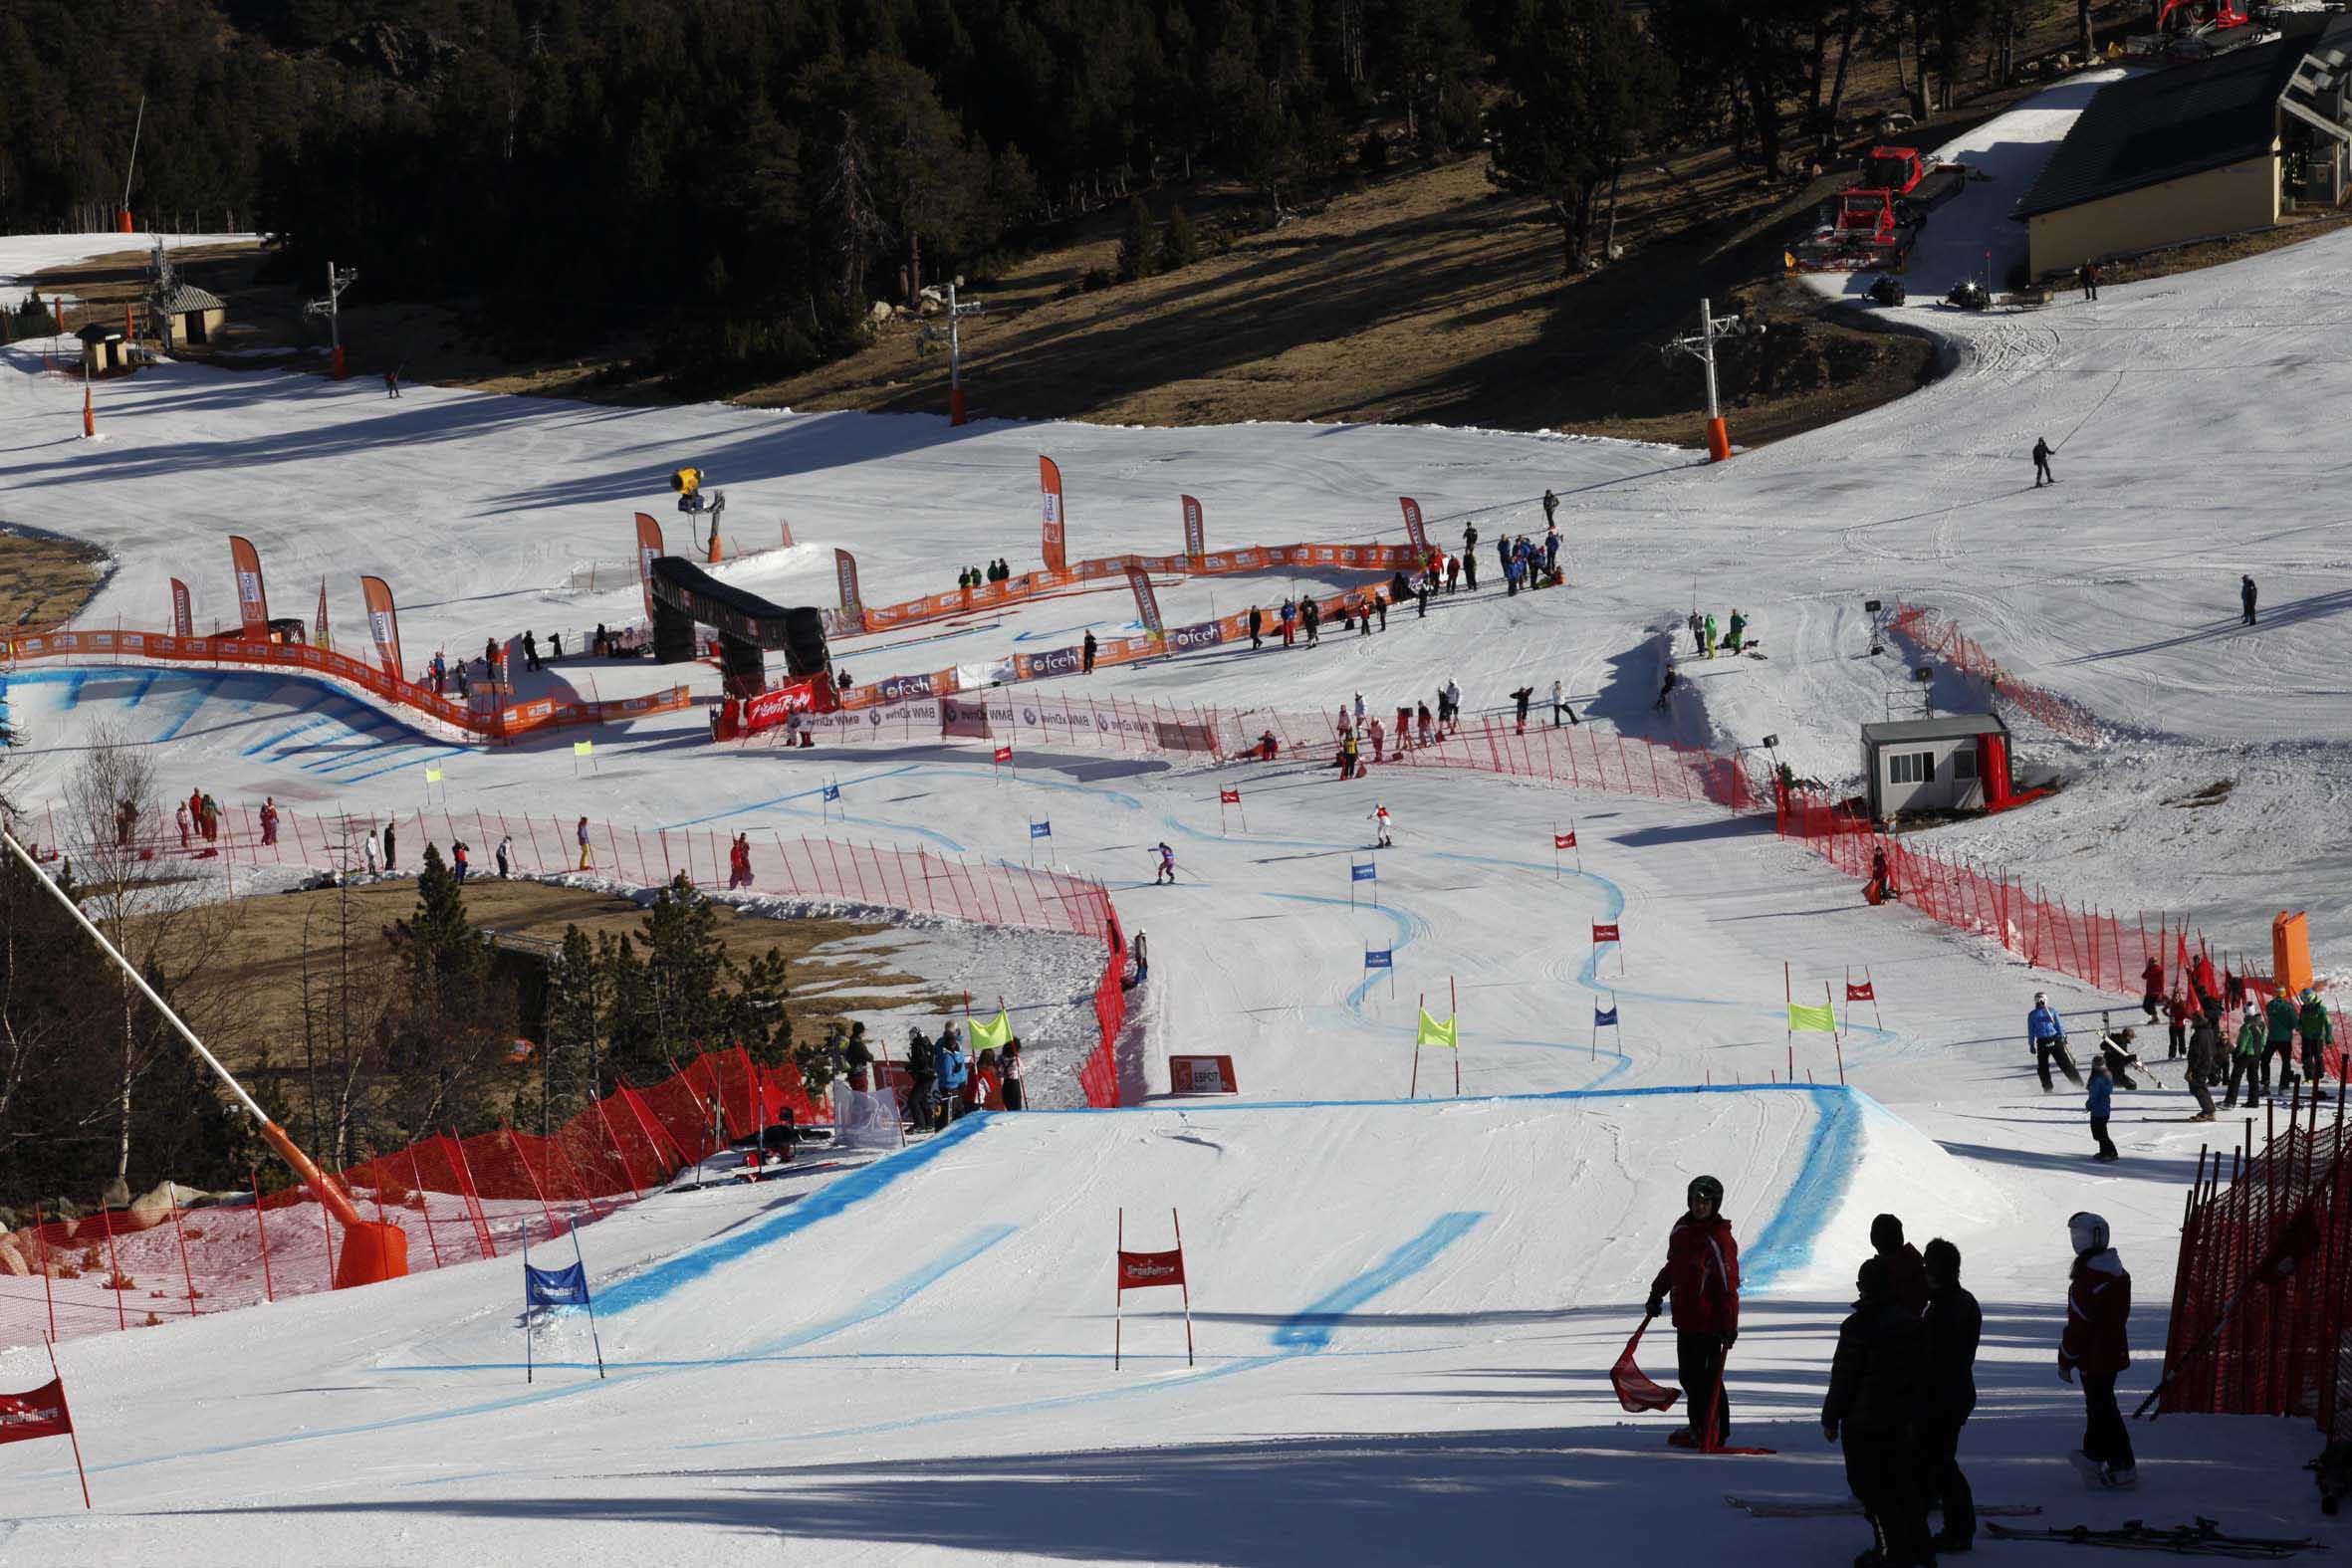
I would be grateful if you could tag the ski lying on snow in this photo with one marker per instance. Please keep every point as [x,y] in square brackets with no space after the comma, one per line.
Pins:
[1822,1507]
[2203,1538]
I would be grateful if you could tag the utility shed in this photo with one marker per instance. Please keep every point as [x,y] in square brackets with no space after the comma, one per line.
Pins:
[189,317]
[1955,764]
[2173,155]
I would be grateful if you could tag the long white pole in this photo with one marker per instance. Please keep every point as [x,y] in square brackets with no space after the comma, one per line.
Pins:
[328,1192]
[1706,354]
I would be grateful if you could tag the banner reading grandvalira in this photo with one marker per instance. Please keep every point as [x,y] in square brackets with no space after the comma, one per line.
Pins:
[1147,604]
[1413,529]
[649,550]
[183,620]
[252,605]
[1196,531]
[384,623]
[1050,494]
[845,566]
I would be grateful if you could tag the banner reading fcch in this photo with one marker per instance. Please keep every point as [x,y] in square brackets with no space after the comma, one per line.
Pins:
[846,565]
[384,623]
[649,550]
[252,605]
[183,620]
[1050,492]
[1196,530]
[1147,604]
[1413,529]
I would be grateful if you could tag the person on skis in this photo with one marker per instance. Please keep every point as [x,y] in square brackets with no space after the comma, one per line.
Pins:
[1380,821]
[1519,699]
[1560,706]
[1878,1389]
[2098,1306]
[1882,878]
[2099,1099]
[1707,638]
[2041,464]
[1167,871]
[1551,508]
[1734,631]
[2048,1036]
[1701,1273]
[2116,1050]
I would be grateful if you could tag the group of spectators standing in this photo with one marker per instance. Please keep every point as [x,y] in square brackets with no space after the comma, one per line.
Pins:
[1902,1382]
[974,577]
[945,1082]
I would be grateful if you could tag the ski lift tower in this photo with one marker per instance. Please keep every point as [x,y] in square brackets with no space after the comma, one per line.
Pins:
[1700,345]
[929,336]
[338,280]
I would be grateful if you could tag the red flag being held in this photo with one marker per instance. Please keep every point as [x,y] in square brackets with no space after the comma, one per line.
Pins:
[1635,1389]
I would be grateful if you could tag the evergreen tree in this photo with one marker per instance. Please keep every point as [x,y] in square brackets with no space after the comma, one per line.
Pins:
[1180,243]
[1139,252]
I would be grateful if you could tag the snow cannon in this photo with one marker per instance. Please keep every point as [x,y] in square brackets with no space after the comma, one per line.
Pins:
[688,482]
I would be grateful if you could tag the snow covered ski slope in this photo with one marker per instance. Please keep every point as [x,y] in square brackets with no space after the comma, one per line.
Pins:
[1404,1311]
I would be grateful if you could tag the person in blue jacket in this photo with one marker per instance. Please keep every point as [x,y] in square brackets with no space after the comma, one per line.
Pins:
[2101,1096]
[948,1056]
[2048,1036]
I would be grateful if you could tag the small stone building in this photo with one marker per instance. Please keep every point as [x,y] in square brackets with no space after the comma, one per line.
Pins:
[187,317]
[105,350]
[1960,762]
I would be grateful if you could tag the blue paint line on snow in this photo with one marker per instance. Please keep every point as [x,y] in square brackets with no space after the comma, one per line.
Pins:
[146,685]
[653,1283]
[196,698]
[1305,1333]
[1310,1328]
[286,734]
[360,758]
[414,762]
[1823,1177]
[783,799]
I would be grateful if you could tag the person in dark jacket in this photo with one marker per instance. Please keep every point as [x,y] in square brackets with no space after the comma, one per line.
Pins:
[1256,628]
[2041,464]
[1907,1275]
[2246,597]
[1703,1273]
[2099,1100]
[2098,1306]
[1954,1323]
[922,1070]
[2206,1065]
[1087,652]
[1878,1389]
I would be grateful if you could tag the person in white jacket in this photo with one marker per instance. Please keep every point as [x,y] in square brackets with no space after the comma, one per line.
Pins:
[1380,816]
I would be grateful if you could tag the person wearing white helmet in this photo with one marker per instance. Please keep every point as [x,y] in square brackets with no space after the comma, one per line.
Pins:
[2098,1305]
[2046,1036]
[1380,821]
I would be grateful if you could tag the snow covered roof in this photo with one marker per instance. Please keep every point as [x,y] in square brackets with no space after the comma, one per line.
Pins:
[1952,726]
[2168,125]
[187,296]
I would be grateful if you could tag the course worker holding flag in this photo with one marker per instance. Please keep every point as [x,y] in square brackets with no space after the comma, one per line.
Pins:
[1701,1273]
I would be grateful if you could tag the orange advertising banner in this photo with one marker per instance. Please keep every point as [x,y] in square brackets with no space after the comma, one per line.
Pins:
[384,623]
[1049,490]
[183,620]
[649,550]
[252,605]
[1196,532]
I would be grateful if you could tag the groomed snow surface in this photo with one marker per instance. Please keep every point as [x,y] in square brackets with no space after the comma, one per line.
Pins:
[1404,1311]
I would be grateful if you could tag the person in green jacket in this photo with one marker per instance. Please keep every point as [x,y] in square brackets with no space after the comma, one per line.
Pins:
[1739,629]
[2247,1063]
[2278,1038]
[1707,642]
[2319,1031]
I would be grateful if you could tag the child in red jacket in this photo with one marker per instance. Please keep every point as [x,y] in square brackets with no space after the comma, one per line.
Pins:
[2098,1305]
[1703,1272]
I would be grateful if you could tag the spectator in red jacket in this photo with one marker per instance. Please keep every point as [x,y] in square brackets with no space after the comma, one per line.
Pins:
[2152,986]
[1703,1273]
[1907,1272]
[2098,1305]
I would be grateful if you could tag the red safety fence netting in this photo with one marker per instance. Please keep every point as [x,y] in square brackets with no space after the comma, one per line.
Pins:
[2261,1321]
[2099,949]
[459,1200]
[1933,634]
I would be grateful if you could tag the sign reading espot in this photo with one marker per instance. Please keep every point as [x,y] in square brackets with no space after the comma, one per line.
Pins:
[1202,1075]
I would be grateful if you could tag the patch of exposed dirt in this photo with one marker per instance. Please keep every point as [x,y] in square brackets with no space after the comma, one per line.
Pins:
[44,581]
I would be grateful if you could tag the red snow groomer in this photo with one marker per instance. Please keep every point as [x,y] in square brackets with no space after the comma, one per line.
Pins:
[2193,30]
[1871,227]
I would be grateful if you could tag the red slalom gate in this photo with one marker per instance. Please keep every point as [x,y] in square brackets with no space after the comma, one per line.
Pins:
[1145,1271]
